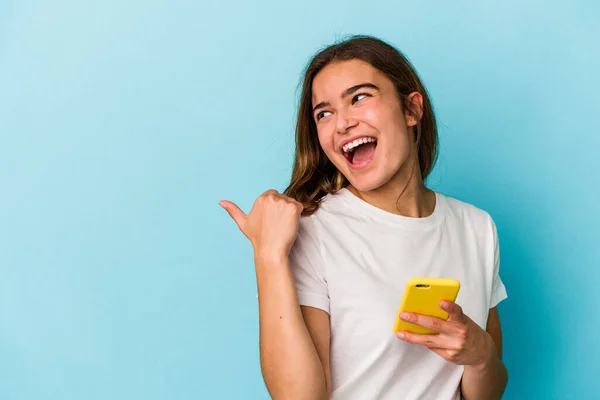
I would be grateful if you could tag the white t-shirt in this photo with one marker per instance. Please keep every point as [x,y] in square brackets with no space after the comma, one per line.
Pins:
[353,260]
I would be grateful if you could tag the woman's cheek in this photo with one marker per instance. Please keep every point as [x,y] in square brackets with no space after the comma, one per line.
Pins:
[326,142]
[369,114]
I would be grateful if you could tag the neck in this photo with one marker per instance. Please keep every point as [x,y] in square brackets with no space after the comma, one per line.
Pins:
[402,195]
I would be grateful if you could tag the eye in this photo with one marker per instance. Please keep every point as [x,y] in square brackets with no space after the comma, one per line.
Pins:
[359,97]
[322,114]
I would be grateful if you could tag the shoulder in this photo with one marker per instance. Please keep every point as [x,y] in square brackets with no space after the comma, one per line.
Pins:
[331,207]
[306,252]
[469,214]
[478,226]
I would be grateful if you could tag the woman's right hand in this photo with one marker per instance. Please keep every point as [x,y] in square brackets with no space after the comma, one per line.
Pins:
[272,224]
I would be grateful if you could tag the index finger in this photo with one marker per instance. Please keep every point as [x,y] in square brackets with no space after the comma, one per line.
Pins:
[455,312]
[426,321]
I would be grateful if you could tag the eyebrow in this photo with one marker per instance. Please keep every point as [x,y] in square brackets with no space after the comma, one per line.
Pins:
[347,93]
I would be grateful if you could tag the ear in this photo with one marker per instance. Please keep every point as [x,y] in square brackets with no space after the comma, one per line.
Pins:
[414,102]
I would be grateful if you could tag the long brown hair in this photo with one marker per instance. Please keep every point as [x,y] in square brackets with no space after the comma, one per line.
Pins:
[313,175]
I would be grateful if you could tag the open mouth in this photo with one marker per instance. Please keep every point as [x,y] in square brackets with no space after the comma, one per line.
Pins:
[360,151]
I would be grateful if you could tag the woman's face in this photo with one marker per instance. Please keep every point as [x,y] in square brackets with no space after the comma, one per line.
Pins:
[360,123]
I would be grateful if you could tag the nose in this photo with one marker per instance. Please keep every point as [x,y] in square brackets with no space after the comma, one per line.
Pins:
[345,122]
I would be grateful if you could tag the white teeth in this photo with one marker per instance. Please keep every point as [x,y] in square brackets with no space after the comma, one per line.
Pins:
[355,143]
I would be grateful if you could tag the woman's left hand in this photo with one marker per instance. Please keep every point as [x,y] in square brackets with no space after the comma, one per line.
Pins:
[460,340]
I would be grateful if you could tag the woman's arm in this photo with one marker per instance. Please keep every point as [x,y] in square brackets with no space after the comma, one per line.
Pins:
[317,323]
[290,361]
[488,380]
[294,354]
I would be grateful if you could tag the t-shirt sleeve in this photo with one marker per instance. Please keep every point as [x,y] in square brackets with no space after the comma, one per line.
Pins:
[308,271]
[498,288]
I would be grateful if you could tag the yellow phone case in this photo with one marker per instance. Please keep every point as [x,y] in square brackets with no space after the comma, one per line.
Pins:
[423,296]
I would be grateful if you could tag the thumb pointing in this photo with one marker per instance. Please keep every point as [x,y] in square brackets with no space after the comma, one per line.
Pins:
[235,213]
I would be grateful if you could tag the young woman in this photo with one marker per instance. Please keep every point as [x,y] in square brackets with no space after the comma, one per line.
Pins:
[333,254]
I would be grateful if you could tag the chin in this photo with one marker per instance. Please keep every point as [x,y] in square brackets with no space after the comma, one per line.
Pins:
[367,182]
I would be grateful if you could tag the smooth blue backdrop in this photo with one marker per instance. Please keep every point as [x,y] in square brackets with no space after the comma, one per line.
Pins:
[122,124]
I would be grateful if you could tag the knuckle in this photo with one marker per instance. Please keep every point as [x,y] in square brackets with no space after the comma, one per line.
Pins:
[435,325]
[461,332]
[273,199]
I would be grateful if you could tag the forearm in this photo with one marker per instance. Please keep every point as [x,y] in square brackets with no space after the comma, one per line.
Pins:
[289,361]
[486,381]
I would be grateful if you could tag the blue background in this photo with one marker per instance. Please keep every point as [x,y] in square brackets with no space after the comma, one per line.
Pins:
[122,124]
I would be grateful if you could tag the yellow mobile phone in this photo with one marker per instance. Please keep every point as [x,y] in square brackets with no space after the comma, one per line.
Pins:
[423,296]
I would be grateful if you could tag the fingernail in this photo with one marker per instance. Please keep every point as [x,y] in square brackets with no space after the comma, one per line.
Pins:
[405,316]
[400,335]
[222,203]
[445,305]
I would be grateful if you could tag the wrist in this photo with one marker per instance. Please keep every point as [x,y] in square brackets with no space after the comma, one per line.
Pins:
[489,354]
[269,258]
